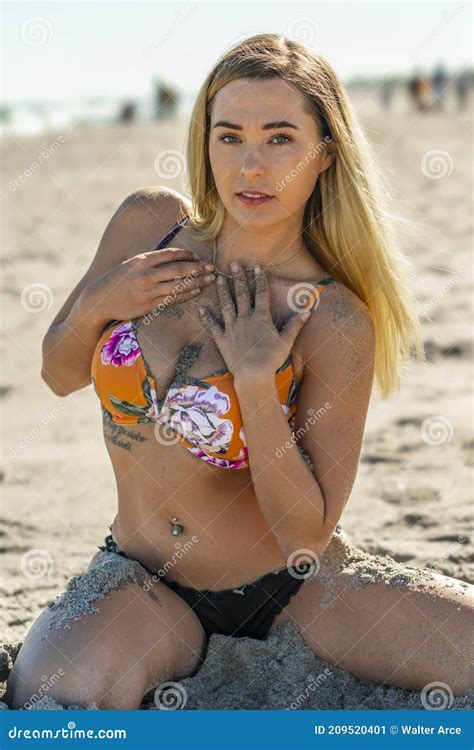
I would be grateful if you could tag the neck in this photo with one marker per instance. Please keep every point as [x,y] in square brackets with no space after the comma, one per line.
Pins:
[263,246]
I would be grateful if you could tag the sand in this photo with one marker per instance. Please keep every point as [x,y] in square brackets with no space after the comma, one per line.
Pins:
[281,673]
[410,509]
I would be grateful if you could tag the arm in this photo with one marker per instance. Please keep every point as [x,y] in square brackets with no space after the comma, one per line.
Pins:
[302,506]
[70,341]
[69,345]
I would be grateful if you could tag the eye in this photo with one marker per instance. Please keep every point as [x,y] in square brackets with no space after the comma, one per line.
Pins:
[278,135]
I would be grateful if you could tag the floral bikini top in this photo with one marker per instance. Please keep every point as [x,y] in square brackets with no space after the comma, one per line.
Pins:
[203,414]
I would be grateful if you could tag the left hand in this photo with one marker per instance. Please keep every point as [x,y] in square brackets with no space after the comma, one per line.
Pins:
[250,343]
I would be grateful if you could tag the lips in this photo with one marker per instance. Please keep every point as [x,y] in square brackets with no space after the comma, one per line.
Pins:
[254,193]
[254,200]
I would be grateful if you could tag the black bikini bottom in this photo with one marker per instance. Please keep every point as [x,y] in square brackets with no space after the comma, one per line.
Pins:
[248,610]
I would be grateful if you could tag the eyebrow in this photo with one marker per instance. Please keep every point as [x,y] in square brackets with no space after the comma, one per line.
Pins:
[268,126]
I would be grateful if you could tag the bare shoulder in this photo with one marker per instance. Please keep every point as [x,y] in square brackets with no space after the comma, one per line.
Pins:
[148,200]
[340,324]
[148,213]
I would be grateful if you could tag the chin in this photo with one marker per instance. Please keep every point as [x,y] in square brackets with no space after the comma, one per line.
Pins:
[265,214]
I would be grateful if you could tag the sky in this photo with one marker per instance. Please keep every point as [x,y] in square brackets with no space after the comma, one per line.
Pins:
[69,50]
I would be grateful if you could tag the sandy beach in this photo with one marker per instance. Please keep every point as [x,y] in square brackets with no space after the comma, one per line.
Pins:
[412,500]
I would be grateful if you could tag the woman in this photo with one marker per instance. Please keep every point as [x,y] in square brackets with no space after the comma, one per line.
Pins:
[239,532]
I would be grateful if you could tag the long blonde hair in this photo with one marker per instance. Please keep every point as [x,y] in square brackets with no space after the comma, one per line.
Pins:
[347,224]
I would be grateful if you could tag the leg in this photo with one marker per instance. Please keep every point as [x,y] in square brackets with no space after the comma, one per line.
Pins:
[112,635]
[385,622]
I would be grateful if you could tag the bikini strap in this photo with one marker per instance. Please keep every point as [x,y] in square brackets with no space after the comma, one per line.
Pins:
[173,231]
[324,282]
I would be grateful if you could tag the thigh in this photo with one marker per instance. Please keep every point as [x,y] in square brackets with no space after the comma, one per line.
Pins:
[112,634]
[386,622]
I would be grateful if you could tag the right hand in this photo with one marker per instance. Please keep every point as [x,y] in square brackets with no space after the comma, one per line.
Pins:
[159,278]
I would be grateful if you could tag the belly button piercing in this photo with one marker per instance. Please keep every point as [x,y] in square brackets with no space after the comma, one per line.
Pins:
[176,528]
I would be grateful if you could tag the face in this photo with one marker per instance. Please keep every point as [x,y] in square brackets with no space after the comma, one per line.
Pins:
[249,150]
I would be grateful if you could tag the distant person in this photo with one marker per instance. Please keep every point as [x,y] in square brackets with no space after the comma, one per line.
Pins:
[127,112]
[166,100]
[439,81]
[387,94]
[461,87]
[419,89]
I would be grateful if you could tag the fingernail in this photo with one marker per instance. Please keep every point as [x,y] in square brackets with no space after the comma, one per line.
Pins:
[234,265]
[209,266]
[305,314]
[256,269]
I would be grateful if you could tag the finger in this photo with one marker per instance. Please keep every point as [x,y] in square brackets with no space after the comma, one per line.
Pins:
[242,291]
[210,323]
[225,301]
[182,286]
[293,326]
[262,292]
[168,254]
[170,271]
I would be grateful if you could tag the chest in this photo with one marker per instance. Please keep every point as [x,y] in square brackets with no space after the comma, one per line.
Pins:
[176,345]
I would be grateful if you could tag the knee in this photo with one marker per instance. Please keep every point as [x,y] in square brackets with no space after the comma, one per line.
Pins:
[42,680]
[33,679]
[96,559]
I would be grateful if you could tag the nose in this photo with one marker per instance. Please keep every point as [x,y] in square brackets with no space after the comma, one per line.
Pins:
[252,163]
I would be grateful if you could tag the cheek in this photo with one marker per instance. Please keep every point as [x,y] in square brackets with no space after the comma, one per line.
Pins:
[296,177]
[221,161]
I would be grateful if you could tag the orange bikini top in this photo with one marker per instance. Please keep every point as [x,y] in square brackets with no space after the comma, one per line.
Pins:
[203,414]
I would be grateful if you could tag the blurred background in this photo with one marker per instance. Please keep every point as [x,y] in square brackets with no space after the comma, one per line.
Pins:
[95,103]
[73,63]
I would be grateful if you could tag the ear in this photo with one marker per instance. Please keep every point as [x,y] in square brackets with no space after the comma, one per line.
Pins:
[329,155]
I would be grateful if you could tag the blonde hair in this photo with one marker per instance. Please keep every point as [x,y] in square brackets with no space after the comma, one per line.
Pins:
[347,224]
